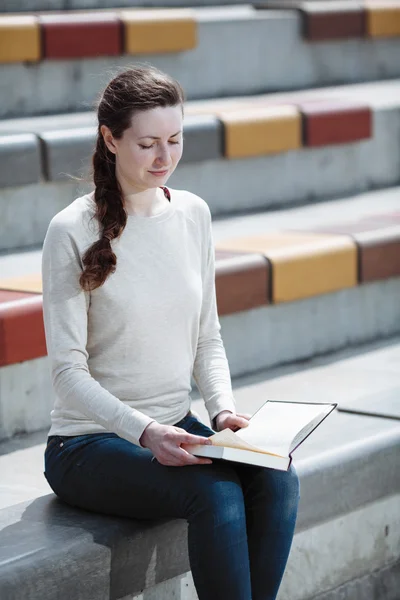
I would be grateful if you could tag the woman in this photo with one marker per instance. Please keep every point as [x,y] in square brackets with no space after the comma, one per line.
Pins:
[130,314]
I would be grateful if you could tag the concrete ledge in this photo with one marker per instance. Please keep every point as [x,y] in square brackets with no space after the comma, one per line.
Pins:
[205,72]
[47,545]
[20,159]
[228,186]
[299,330]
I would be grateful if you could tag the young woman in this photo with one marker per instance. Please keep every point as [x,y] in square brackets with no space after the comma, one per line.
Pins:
[130,314]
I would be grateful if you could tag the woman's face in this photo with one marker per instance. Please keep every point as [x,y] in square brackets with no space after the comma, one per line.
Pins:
[149,150]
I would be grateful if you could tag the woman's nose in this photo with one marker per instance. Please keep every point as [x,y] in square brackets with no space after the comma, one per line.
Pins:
[163,156]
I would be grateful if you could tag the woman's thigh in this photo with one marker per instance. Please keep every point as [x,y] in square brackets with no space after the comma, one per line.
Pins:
[106,473]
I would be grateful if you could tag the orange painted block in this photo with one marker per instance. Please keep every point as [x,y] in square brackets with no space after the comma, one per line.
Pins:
[383,18]
[19,39]
[25,283]
[261,130]
[22,335]
[159,30]
[303,264]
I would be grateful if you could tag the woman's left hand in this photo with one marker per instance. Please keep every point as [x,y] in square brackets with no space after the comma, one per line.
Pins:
[226,419]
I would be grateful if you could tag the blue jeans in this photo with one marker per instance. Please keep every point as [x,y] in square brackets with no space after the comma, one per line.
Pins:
[241,518]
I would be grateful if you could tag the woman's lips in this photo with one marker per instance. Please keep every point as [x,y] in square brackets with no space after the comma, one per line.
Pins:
[159,173]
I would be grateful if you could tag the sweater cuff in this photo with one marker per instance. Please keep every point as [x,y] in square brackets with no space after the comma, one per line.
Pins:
[133,427]
[219,404]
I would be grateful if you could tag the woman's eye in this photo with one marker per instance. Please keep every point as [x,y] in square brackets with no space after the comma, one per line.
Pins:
[152,145]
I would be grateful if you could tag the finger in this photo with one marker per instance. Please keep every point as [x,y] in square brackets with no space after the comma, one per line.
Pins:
[244,415]
[190,459]
[188,438]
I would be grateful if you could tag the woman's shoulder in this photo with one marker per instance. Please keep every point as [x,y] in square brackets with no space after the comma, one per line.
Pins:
[76,219]
[191,204]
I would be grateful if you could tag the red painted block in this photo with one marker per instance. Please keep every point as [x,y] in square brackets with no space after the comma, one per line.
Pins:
[81,35]
[10,296]
[331,20]
[242,281]
[335,122]
[22,334]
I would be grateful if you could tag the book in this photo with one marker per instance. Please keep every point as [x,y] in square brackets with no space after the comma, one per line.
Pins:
[274,432]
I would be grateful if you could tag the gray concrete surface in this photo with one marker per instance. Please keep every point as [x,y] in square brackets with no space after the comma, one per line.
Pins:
[24,5]
[45,543]
[347,541]
[351,373]
[20,159]
[321,557]
[304,176]
[350,208]
[262,51]
[277,334]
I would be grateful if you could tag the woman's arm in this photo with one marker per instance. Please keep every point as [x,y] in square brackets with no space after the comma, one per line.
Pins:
[211,370]
[65,309]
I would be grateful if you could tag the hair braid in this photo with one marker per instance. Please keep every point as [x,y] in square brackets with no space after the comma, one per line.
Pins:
[100,260]
[134,89]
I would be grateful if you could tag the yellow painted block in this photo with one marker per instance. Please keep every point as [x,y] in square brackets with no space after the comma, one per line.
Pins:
[26,283]
[157,31]
[383,18]
[303,264]
[19,39]
[261,130]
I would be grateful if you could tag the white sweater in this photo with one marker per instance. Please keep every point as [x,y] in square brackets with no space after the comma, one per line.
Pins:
[122,355]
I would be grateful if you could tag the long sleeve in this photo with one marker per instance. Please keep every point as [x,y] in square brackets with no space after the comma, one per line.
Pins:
[65,309]
[211,370]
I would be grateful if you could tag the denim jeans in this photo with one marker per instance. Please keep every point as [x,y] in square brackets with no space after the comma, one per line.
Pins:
[241,518]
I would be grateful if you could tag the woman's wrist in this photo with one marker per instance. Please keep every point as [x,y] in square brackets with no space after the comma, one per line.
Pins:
[215,420]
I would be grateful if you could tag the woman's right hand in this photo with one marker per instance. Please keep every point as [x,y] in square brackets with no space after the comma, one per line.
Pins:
[165,443]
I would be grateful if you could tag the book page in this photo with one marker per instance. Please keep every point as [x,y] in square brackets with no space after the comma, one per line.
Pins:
[229,439]
[274,426]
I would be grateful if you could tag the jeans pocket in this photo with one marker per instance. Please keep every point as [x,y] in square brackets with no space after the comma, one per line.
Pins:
[51,442]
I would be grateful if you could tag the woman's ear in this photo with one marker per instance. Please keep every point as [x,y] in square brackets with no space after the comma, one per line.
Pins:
[108,138]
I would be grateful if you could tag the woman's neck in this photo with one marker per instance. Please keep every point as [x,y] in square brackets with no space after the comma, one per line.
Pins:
[146,203]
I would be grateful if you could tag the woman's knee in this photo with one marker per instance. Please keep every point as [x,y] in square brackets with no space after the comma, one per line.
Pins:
[219,496]
[278,490]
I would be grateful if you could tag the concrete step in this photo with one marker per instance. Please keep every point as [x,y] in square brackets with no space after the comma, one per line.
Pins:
[309,323]
[73,84]
[348,516]
[229,184]
[47,5]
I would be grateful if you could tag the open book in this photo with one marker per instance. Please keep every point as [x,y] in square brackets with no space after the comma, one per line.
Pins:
[273,433]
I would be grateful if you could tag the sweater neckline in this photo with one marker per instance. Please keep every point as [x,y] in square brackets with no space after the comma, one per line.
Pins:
[164,215]
[161,216]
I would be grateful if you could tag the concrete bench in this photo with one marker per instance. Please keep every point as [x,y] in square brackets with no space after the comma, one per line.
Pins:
[80,70]
[20,159]
[267,282]
[333,20]
[308,146]
[349,474]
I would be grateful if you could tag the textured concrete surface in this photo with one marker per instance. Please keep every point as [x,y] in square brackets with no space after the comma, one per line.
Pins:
[342,559]
[308,175]
[243,67]
[353,373]
[335,211]
[274,335]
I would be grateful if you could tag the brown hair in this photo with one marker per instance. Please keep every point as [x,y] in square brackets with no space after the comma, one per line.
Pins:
[134,89]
